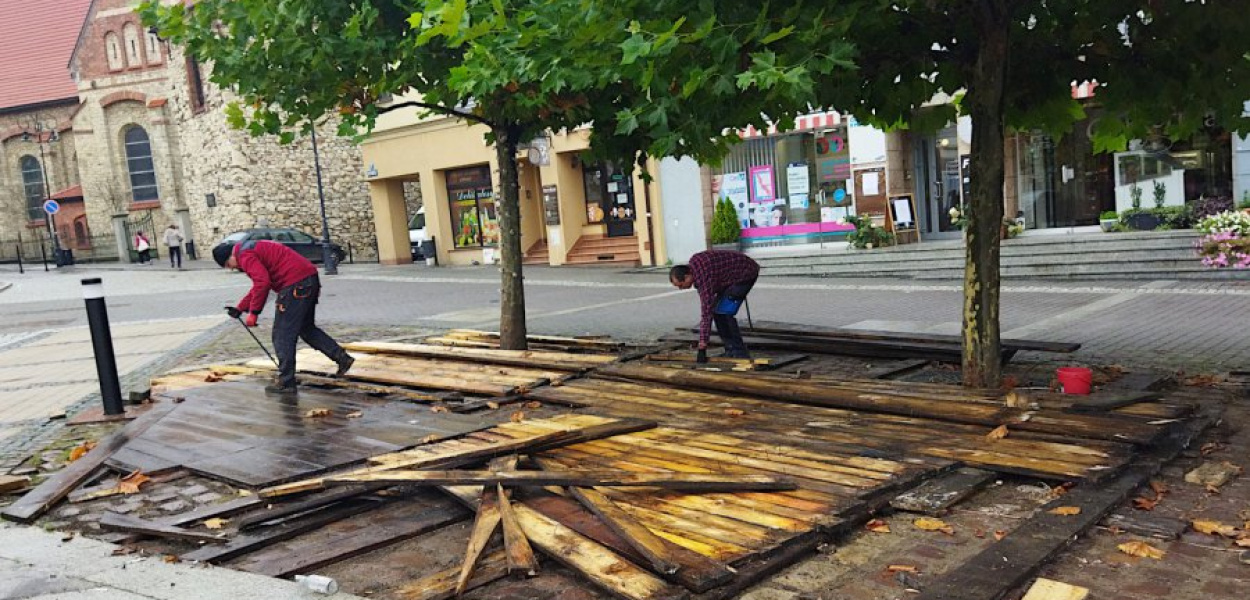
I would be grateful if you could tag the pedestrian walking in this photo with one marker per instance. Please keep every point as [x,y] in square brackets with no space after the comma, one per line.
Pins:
[173,240]
[144,247]
[273,266]
[723,279]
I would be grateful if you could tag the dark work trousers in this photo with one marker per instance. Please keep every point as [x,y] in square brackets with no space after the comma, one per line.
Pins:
[175,256]
[145,256]
[727,325]
[297,311]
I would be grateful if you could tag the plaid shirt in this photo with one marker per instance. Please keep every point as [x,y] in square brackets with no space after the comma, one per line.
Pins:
[714,271]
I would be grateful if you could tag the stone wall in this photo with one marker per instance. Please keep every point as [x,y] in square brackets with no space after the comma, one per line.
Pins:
[60,160]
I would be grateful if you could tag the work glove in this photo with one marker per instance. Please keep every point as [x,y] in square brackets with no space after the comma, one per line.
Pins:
[701,356]
[251,319]
[233,312]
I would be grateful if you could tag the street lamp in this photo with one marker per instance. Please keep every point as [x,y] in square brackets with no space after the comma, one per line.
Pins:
[327,253]
[41,139]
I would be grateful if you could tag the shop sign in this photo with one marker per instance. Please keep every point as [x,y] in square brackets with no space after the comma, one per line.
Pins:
[833,156]
[551,205]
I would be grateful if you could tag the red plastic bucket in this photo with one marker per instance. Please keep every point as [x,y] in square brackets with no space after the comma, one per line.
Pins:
[1075,380]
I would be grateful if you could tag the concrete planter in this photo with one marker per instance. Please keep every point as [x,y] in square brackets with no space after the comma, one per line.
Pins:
[1108,225]
[1143,222]
[734,246]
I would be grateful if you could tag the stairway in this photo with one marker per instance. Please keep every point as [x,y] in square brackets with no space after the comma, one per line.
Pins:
[538,254]
[601,250]
[1095,256]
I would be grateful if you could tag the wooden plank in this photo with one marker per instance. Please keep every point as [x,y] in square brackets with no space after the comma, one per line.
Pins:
[897,368]
[1049,589]
[484,524]
[272,513]
[657,552]
[1005,565]
[563,361]
[520,554]
[442,585]
[225,509]
[129,524]
[701,482]
[868,334]
[1147,524]
[1103,402]
[936,496]
[12,483]
[53,489]
[245,543]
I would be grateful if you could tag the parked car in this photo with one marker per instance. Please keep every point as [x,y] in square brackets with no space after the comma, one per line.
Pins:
[417,234]
[308,246]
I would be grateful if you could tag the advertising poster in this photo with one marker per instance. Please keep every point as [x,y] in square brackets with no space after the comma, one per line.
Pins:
[833,156]
[796,179]
[799,201]
[734,187]
[763,187]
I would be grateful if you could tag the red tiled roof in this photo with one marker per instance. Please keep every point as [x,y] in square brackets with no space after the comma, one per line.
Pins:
[67,193]
[36,39]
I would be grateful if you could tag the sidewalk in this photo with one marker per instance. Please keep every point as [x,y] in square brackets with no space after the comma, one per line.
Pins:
[44,565]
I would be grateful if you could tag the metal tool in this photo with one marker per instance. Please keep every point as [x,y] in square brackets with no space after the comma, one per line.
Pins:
[747,303]
[258,342]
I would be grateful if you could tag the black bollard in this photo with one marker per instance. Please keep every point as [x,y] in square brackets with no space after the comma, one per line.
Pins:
[44,255]
[20,268]
[102,344]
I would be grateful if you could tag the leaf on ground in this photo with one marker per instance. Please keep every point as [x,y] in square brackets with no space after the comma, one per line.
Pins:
[902,569]
[998,433]
[1243,542]
[877,526]
[1062,489]
[430,439]
[439,408]
[1065,511]
[132,482]
[1214,528]
[492,405]
[1143,503]
[355,414]
[215,523]
[123,550]
[212,378]
[999,535]
[1212,489]
[80,450]
[1159,488]
[245,492]
[735,412]
[928,524]
[1203,380]
[516,417]
[1210,448]
[1141,549]
[171,559]
[317,412]
[534,404]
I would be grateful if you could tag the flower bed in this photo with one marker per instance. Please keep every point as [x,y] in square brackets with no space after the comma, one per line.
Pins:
[1225,240]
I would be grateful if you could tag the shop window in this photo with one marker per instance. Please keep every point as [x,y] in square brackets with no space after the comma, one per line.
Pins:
[113,49]
[153,48]
[140,166]
[32,185]
[131,34]
[609,197]
[474,216]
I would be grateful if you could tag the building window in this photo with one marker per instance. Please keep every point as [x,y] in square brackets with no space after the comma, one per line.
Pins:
[113,50]
[131,34]
[474,217]
[153,49]
[32,184]
[195,85]
[139,164]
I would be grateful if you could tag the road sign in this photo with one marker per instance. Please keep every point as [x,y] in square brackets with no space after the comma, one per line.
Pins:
[51,207]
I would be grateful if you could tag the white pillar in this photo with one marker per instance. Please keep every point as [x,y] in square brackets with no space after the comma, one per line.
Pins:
[119,231]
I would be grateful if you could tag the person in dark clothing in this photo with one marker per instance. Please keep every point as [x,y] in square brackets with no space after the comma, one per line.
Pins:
[723,279]
[273,266]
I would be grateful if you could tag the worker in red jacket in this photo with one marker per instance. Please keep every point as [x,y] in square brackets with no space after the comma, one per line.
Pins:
[273,266]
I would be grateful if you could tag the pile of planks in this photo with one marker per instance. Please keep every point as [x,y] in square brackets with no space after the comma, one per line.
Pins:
[472,338]
[673,358]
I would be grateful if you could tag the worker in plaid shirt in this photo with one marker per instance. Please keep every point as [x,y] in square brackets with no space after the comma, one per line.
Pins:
[723,279]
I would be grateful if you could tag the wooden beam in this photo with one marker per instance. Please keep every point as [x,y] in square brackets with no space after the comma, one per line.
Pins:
[531,359]
[897,368]
[1103,402]
[58,486]
[649,545]
[442,585]
[520,554]
[700,482]
[245,543]
[129,524]
[937,495]
[483,527]
[866,334]
[12,483]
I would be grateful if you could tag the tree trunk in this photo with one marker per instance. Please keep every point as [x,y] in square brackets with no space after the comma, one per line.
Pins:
[982,355]
[512,333]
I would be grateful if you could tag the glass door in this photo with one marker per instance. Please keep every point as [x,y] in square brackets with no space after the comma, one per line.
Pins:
[609,198]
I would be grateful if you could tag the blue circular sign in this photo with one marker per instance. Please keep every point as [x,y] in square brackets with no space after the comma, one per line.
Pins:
[51,207]
[839,195]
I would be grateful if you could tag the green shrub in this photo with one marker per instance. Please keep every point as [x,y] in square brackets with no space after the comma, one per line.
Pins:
[1109,215]
[866,233]
[725,227]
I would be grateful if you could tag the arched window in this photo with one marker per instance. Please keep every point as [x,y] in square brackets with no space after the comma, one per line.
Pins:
[153,49]
[32,184]
[114,51]
[139,164]
[131,34]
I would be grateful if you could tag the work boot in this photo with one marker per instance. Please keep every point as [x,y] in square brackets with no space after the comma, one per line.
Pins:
[344,365]
[275,389]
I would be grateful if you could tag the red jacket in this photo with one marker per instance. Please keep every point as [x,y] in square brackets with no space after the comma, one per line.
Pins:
[271,266]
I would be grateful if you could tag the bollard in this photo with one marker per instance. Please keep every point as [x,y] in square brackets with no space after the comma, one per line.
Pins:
[102,345]
[20,269]
[44,255]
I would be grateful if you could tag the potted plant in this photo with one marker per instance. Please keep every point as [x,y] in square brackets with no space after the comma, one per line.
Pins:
[1161,193]
[1225,241]
[1108,220]
[866,235]
[726,231]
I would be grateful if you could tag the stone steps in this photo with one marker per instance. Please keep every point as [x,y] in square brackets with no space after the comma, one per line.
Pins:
[602,250]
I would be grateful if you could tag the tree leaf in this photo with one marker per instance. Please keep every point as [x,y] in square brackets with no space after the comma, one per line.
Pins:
[1214,528]
[902,569]
[1065,511]
[998,433]
[317,413]
[1141,503]
[80,450]
[517,417]
[132,482]
[928,524]
[1141,549]
[877,526]
[777,35]
[215,523]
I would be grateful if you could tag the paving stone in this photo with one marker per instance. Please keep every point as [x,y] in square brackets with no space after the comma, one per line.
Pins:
[175,506]
[207,498]
[193,490]
[162,497]
[71,511]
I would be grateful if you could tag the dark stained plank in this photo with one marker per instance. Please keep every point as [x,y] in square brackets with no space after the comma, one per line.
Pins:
[1147,524]
[222,510]
[867,334]
[403,519]
[272,513]
[936,496]
[1102,402]
[58,486]
[579,478]
[131,524]
[897,368]
[245,543]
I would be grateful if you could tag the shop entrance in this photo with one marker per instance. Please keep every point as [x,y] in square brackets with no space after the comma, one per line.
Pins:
[609,198]
[941,182]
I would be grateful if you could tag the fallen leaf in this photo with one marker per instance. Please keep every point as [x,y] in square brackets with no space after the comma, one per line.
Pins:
[1243,542]
[999,535]
[928,524]
[245,492]
[1211,489]
[877,526]
[1211,448]
[439,408]
[212,378]
[902,569]
[977,533]
[430,439]
[998,433]
[1142,549]
[517,417]
[1142,503]
[215,523]
[1065,511]
[735,412]
[355,414]
[317,412]
[1159,488]
[170,558]
[1062,489]
[132,482]
[1214,528]
[80,450]
[492,405]
[1203,380]
[123,550]
[533,404]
